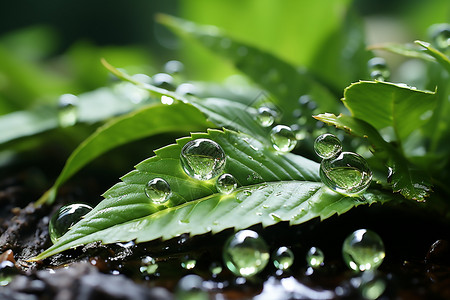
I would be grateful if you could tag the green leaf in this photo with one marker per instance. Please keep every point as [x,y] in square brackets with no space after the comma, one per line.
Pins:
[440,57]
[273,188]
[408,50]
[145,122]
[384,104]
[405,178]
[284,81]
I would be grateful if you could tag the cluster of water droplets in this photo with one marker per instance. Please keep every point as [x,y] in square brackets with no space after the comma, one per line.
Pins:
[344,172]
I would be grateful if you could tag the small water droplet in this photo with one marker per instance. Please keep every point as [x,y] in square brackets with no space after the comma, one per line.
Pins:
[164,81]
[283,258]
[190,287]
[327,145]
[158,190]
[245,253]
[173,67]
[348,173]
[259,214]
[226,184]
[315,257]
[65,218]
[148,266]
[283,138]
[363,250]
[266,116]
[202,159]
[67,110]
[166,100]
[378,64]
[215,268]
[304,99]
[188,262]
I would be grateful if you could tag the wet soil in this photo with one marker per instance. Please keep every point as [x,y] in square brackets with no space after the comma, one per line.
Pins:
[417,264]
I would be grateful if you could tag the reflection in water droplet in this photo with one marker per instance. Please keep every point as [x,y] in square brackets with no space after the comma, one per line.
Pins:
[245,253]
[190,287]
[158,190]
[65,218]
[348,173]
[148,266]
[327,145]
[226,184]
[315,257]
[67,110]
[363,250]
[266,116]
[377,67]
[283,258]
[283,138]
[202,159]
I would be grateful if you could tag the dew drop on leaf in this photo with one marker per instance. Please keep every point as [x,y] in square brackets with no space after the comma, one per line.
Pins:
[66,217]
[158,190]
[283,258]
[245,253]
[315,257]
[348,173]
[327,145]
[202,159]
[148,266]
[67,110]
[191,287]
[363,250]
[266,116]
[377,67]
[226,183]
[283,138]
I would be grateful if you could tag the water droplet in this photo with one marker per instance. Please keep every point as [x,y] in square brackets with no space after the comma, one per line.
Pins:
[246,253]
[304,99]
[441,36]
[315,257]
[266,116]
[7,272]
[226,184]
[215,268]
[378,64]
[66,217]
[348,173]
[173,67]
[202,159]
[164,81]
[327,145]
[190,287]
[67,110]
[283,258]
[166,100]
[283,138]
[148,266]
[188,262]
[158,190]
[363,250]
[187,89]
[142,78]
[275,217]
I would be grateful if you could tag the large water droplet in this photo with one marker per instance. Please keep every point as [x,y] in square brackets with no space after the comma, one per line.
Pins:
[378,68]
[283,138]
[363,250]
[66,217]
[283,258]
[266,116]
[190,287]
[67,110]
[202,159]
[245,253]
[148,266]
[158,190]
[348,173]
[315,257]
[226,184]
[327,145]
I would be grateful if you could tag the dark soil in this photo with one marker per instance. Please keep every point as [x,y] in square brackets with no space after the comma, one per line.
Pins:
[417,264]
